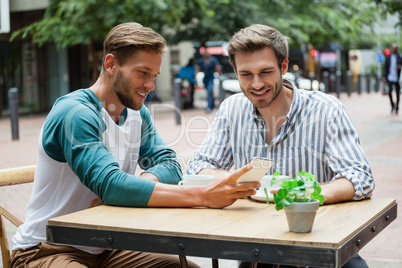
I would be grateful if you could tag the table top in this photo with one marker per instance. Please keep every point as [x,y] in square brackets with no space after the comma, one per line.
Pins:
[245,221]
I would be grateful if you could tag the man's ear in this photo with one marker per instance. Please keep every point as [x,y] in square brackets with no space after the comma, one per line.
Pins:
[285,65]
[109,63]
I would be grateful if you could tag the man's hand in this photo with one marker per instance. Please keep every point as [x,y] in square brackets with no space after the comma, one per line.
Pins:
[219,193]
[96,202]
[223,192]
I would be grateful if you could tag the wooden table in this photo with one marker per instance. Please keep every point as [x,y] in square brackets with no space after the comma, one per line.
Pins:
[247,230]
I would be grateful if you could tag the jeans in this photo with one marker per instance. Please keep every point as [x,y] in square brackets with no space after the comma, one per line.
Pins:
[397,89]
[209,85]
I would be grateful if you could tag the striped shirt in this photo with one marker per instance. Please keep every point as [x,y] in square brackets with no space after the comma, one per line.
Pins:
[317,136]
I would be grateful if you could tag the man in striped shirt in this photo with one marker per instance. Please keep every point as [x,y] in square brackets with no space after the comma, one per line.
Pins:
[299,130]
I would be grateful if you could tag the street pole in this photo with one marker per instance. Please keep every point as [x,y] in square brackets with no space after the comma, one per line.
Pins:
[338,83]
[359,84]
[368,82]
[177,99]
[13,105]
[348,81]
[221,91]
[326,83]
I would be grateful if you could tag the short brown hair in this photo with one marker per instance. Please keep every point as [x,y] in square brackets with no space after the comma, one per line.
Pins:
[256,37]
[126,39]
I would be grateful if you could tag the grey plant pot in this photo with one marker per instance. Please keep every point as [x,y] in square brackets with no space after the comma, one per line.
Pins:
[300,216]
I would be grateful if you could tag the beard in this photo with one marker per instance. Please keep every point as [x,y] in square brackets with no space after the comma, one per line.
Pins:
[264,103]
[123,92]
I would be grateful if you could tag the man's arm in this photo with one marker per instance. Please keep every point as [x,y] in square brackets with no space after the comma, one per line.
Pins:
[385,70]
[339,190]
[219,193]
[72,133]
[156,158]
[149,176]
[346,158]
[218,69]
[197,70]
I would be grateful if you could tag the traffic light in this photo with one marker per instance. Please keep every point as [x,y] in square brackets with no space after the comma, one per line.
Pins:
[313,53]
[387,52]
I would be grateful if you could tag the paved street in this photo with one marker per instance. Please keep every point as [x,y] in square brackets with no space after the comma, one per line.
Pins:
[380,133]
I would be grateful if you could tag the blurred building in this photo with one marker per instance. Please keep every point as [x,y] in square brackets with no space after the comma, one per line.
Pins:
[42,74]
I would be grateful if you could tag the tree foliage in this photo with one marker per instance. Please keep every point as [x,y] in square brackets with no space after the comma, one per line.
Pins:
[71,22]
[322,21]
[392,7]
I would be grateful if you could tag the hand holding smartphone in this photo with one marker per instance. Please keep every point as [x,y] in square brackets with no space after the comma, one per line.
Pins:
[260,168]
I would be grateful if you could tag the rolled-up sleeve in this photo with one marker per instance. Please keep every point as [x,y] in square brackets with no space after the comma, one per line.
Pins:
[345,155]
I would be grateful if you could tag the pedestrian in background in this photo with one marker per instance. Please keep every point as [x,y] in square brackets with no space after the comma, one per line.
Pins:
[392,73]
[188,73]
[208,65]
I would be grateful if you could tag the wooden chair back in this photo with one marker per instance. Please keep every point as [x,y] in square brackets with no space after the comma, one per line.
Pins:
[11,176]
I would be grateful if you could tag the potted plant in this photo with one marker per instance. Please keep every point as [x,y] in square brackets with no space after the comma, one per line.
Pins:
[300,197]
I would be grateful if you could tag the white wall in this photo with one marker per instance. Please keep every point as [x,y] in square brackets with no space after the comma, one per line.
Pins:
[26,5]
[163,84]
[186,50]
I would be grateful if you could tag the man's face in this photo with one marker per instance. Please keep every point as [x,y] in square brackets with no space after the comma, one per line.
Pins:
[136,78]
[259,76]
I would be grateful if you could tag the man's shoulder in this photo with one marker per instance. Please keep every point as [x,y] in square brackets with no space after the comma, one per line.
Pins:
[317,98]
[79,103]
[76,97]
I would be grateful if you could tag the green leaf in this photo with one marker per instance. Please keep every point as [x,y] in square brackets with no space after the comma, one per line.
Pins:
[266,194]
[302,188]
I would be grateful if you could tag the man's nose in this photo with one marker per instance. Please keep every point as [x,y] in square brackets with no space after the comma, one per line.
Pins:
[257,82]
[150,84]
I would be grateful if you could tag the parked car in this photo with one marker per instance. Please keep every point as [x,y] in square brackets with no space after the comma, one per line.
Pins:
[230,83]
[304,83]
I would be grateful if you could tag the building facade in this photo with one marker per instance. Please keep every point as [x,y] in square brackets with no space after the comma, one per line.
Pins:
[42,74]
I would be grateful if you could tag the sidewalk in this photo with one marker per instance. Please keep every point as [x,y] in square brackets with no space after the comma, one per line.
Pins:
[380,133]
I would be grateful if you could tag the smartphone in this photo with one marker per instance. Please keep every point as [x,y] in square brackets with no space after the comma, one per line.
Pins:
[260,166]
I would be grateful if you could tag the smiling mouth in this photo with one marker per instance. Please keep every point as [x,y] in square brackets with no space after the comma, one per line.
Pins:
[260,93]
[142,94]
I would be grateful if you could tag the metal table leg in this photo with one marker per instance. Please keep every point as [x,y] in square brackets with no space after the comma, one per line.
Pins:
[183,261]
